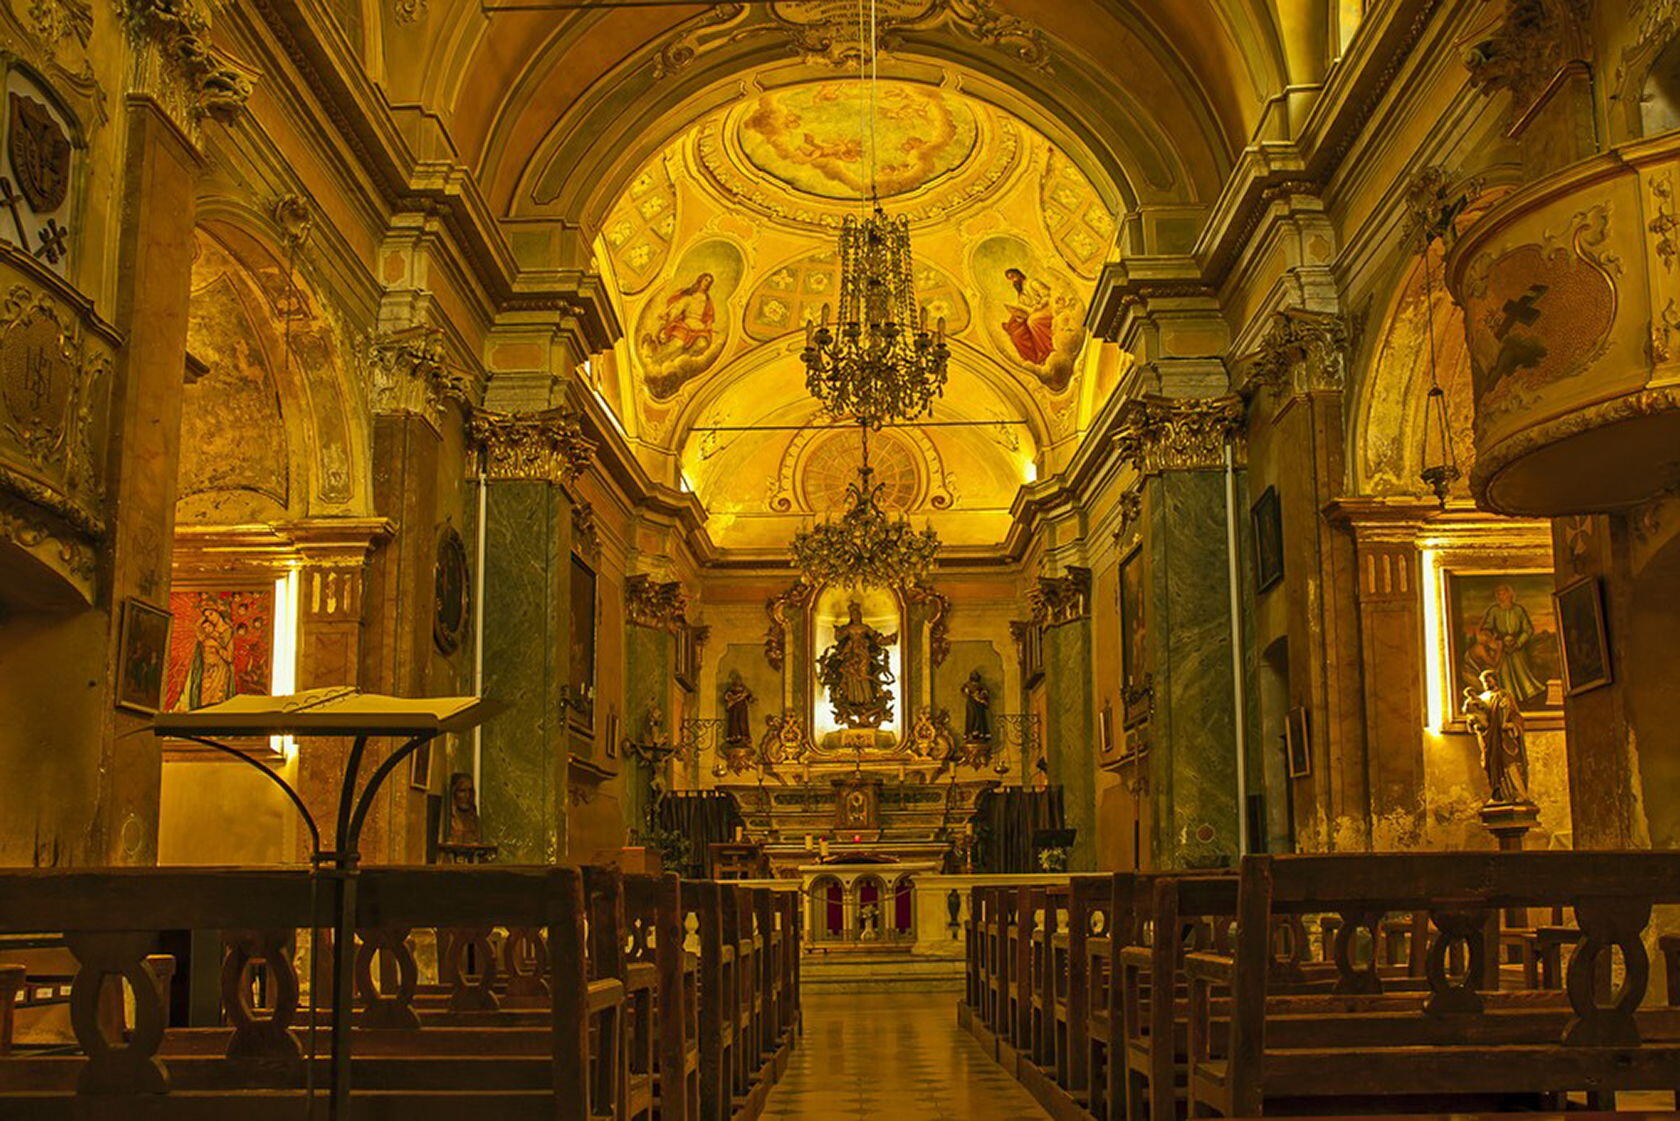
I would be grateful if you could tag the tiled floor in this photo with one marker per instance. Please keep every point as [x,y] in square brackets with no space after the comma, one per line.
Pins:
[893,1056]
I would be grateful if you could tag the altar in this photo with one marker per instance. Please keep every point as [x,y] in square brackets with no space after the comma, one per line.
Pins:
[899,815]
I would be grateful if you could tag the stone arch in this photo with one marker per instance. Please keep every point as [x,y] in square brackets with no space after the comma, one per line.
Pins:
[272,427]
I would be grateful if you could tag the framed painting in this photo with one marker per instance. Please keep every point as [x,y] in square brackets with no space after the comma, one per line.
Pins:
[144,644]
[1586,650]
[1267,517]
[1134,642]
[1504,621]
[1297,742]
[420,766]
[452,597]
[584,611]
[221,646]
[1105,727]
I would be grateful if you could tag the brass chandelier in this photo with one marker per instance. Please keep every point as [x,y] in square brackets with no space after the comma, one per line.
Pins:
[879,361]
[865,547]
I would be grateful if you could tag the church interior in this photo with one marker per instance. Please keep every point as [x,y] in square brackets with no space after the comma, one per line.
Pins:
[1107,560]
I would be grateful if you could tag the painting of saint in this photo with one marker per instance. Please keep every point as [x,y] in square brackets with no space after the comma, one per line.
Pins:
[1505,624]
[1031,311]
[221,646]
[1032,322]
[684,325]
[145,639]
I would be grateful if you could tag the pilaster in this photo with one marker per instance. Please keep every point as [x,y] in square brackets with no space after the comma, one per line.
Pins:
[526,460]
[1179,447]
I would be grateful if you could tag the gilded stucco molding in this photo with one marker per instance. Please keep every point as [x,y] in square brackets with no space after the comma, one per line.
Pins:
[586,535]
[32,530]
[541,447]
[1180,433]
[777,608]
[660,605]
[828,34]
[408,375]
[179,67]
[1301,352]
[937,607]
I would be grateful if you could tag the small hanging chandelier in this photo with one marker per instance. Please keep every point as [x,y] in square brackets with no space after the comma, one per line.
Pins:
[879,361]
[1440,470]
[865,547]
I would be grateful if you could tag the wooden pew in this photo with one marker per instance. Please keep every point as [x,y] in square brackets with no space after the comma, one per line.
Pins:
[605,957]
[1454,1039]
[656,919]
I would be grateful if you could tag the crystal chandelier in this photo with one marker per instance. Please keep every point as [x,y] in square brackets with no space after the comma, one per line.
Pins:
[865,547]
[879,361]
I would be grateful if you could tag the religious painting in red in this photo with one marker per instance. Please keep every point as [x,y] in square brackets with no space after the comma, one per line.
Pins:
[221,645]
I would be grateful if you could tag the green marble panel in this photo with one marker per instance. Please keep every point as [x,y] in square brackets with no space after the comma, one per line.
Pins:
[522,795]
[649,655]
[1193,732]
[1068,735]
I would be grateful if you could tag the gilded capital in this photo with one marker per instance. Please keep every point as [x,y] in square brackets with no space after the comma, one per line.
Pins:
[660,605]
[408,375]
[1179,433]
[1061,599]
[543,447]
[1302,352]
[188,76]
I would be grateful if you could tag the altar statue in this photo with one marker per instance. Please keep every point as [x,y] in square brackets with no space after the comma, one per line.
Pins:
[737,718]
[1493,715]
[855,672]
[977,726]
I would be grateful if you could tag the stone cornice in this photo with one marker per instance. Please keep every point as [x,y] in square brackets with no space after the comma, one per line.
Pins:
[547,446]
[1180,433]
[209,552]
[355,110]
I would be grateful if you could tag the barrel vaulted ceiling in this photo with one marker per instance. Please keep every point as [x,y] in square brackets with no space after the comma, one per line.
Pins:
[700,157]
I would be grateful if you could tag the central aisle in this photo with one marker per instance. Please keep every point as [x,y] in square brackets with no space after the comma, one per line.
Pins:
[895,1055]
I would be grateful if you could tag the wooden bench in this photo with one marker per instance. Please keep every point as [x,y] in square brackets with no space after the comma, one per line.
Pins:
[555,984]
[1455,1039]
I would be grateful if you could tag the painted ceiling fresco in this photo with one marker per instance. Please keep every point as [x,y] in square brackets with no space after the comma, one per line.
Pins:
[723,248]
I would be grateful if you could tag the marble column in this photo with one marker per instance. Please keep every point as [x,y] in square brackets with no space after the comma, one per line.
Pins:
[527,458]
[1297,446]
[1390,612]
[154,257]
[653,609]
[1061,609]
[1178,446]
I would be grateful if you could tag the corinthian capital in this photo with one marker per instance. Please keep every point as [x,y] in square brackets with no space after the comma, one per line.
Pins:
[1302,352]
[179,66]
[409,374]
[547,446]
[1179,433]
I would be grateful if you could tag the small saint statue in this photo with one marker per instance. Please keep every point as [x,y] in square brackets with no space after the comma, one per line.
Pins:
[977,726]
[737,717]
[463,839]
[1493,715]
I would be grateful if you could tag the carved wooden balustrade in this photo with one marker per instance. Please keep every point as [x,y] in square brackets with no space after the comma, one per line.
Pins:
[562,993]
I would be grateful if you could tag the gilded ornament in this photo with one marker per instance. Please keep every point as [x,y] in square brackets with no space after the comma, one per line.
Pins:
[937,607]
[652,603]
[1302,352]
[409,374]
[1061,599]
[1180,433]
[547,446]
[777,607]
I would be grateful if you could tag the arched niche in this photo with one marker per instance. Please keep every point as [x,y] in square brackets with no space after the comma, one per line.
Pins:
[1387,441]
[270,428]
